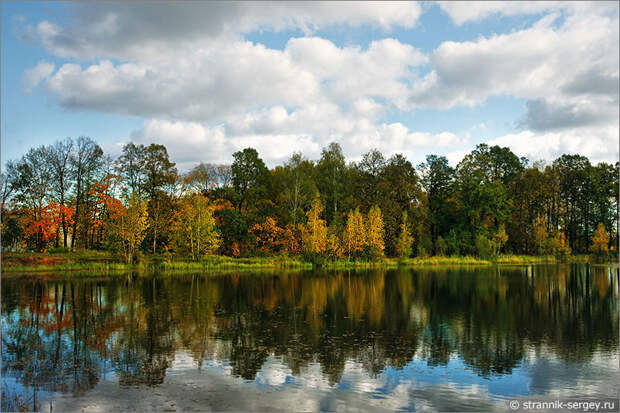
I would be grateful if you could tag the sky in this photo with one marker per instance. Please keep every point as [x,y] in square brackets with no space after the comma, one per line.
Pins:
[208,79]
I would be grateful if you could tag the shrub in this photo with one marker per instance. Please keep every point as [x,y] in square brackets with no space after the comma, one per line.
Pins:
[484,246]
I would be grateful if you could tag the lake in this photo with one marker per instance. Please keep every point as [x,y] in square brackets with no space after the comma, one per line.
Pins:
[451,338]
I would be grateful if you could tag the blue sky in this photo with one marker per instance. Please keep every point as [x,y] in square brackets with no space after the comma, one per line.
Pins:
[209,79]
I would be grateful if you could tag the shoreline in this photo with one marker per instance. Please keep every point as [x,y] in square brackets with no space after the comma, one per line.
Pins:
[86,262]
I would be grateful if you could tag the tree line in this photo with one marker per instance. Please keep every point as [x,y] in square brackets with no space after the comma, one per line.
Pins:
[70,195]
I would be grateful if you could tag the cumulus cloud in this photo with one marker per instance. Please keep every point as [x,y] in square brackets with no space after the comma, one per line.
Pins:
[138,30]
[227,77]
[206,91]
[599,144]
[190,142]
[535,63]
[464,12]
[543,115]
[32,77]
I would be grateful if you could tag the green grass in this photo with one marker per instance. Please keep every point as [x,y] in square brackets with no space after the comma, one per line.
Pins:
[84,262]
[524,259]
[105,262]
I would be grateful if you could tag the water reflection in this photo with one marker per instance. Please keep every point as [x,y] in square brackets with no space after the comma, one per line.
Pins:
[433,327]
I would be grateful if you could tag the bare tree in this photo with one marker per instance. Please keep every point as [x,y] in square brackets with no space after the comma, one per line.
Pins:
[58,157]
[85,162]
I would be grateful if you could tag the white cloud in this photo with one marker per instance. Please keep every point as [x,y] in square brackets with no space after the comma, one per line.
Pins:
[543,114]
[32,77]
[225,78]
[535,63]
[207,92]
[140,31]
[599,144]
[192,142]
[463,12]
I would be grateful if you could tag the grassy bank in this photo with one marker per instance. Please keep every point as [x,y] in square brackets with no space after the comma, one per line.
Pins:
[97,261]
[105,262]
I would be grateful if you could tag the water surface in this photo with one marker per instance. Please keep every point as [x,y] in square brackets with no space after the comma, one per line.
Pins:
[416,339]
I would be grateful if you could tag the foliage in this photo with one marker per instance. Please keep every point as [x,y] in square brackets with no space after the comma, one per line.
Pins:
[500,238]
[127,226]
[441,246]
[194,227]
[375,233]
[70,194]
[541,237]
[405,239]
[354,236]
[559,247]
[314,232]
[250,178]
[600,241]
[268,236]
[485,247]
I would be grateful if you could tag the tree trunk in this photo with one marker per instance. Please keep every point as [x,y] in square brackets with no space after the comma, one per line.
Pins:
[76,217]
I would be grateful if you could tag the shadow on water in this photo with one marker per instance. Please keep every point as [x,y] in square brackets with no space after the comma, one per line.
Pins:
[67,335]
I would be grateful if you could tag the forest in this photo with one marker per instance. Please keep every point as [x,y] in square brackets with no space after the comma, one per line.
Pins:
[70,196]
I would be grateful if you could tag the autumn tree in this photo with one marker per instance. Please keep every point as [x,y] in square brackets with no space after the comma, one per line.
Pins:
[375,233]
[541,236]
[104,204]
[268,236]
[600,241]
[290,239]
[405,239]
[194,227]
[126,226]
[558,246]
[43,228]
[314,232]
[354,238]
[500,238]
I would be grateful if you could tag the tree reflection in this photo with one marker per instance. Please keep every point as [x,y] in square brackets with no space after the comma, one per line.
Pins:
[63,335]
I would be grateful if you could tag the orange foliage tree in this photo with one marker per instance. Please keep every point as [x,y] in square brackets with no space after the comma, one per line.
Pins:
[268,236]
[46,226]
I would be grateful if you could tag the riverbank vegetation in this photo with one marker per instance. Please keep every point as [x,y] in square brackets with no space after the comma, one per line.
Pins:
[138,210]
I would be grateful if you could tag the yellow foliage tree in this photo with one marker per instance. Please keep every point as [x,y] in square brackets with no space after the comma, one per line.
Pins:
[559,247]
[194,226]
[541,236]
[334,245]
[354,235]
[500,238]
[314,232]
[127,225]
[600,241]
[375,233]
[405,239]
